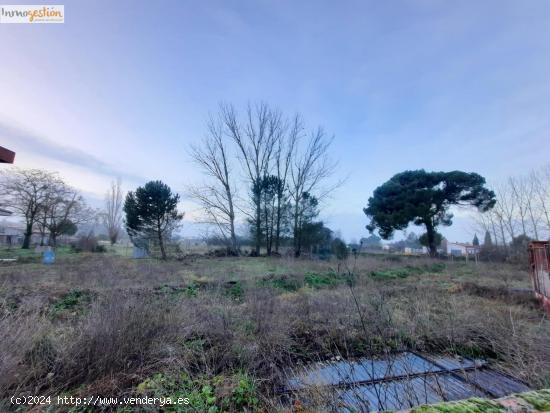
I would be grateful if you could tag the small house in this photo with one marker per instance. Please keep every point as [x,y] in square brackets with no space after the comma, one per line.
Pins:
[10,235]
[460,249]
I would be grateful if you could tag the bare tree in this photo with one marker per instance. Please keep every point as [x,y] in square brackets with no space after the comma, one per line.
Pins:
[528,186]
[522,208]
[27,192]
[505,211]
[283,162]
[518,196]
[256,139]
[65,211]
[541,190]
[217,198]
[308,173]
[112,216]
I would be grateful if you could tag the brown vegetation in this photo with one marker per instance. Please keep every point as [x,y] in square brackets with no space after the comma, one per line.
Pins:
[103,324]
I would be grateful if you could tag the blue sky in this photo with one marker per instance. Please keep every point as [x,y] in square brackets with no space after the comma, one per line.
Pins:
[122,88]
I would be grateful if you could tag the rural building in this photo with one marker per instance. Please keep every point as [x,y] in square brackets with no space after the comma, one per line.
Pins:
[459,249]
[539,260]
[415,251]
[6,156]
[10,234]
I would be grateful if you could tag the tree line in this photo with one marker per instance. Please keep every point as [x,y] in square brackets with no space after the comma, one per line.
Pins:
[261,169]
[47,204]
[522,209]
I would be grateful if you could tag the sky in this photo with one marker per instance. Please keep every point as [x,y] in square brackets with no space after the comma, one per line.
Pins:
[122,89]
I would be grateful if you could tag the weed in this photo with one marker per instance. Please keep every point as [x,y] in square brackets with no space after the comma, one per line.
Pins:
[540,399]
[329,279]
[473,405]
[392,273]
[74,300]
[234,290]
[212,395]
[284,282]
[404,272]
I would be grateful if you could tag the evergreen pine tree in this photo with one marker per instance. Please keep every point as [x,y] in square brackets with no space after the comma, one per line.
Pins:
[487,242]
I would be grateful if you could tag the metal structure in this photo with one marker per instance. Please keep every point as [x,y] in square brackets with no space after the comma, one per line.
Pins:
[539,262]
[400,381]
[6,156]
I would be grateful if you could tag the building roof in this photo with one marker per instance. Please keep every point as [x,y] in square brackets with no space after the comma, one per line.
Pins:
[463,244]
[6,156]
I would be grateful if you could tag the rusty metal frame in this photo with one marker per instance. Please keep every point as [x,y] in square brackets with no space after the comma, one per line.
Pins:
[539,264]
[6,156]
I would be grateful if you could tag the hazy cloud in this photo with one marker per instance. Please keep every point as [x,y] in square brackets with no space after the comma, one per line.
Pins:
[24,141]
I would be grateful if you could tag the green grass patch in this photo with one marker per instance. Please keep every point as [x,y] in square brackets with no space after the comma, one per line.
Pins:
[539,399]
[311,279]
[218,394]
[177,291]
[404,272]
[234,290]
[283,282]
[473,405]
[73,301]
[329,279]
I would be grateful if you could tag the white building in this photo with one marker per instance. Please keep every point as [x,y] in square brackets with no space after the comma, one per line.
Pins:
[461,249]
[10,234]
[415,251]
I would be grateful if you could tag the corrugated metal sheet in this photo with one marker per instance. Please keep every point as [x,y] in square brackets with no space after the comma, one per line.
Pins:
[401,381]
[539,260]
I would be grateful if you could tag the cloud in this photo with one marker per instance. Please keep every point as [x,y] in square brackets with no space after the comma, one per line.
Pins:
[25,141]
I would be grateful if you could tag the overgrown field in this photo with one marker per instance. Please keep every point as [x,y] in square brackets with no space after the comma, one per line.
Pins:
[221,331]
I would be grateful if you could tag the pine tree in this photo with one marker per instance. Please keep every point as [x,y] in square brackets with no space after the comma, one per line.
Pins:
[475,241]
[151,213]
[487,242]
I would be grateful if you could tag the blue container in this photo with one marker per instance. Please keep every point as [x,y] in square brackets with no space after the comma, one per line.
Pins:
[48,257]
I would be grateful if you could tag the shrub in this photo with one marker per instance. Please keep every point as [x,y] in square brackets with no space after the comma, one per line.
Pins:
[283,282]
[120,333]
[88,243]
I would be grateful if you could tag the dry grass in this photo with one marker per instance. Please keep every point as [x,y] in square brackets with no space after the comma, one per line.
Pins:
[102,324]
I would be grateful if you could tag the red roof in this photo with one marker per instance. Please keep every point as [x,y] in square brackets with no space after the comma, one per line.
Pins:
[6,156]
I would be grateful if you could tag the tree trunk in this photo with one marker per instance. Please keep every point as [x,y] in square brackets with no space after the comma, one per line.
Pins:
[161,242]
[430,233]
[296,234]
[258,218]
[231,221]
[278,223]
[53,239]
[27,238]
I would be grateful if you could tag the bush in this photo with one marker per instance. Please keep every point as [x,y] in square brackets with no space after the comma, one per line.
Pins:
[88,243]
[119,334]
